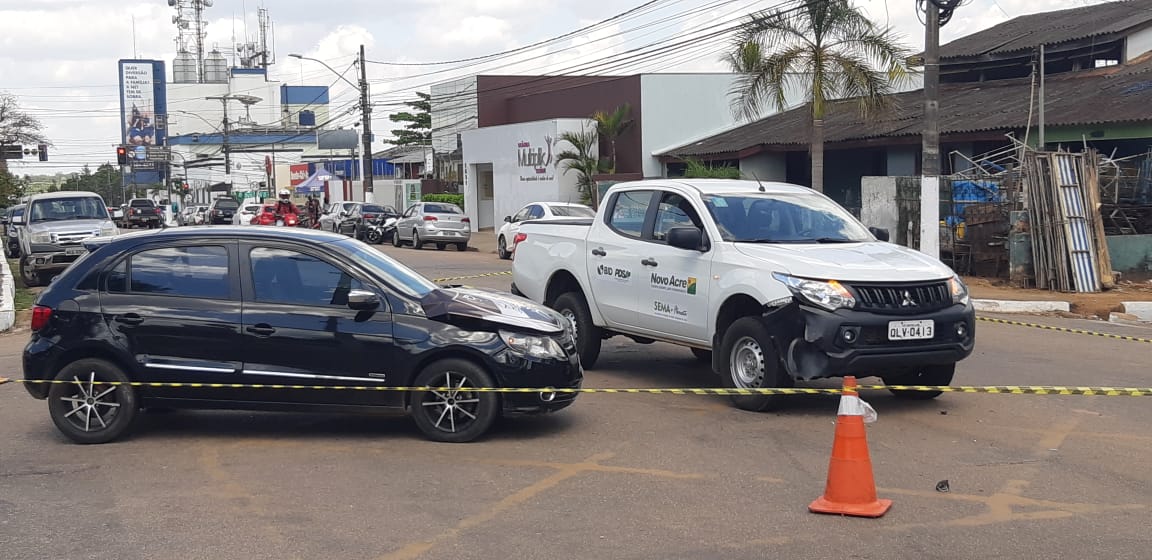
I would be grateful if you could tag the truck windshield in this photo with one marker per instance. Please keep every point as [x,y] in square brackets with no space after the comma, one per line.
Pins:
[72,208]
[783,218]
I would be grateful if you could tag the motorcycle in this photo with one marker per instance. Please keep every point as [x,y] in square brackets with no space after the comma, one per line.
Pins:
[270,217]
[380,230]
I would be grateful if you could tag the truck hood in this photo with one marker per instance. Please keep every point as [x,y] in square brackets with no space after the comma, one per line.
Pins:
[871,261]
[493,306]
[68,226]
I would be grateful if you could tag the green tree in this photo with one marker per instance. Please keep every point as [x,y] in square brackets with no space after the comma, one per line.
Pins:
[582,159]
[418,130]
[610,125]
[827,49]
[11,188]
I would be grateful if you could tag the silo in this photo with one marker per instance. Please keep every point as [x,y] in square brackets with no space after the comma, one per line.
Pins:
[215,68]
[184,68]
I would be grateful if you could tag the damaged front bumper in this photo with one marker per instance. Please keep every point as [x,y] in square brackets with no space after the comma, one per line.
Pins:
[815,343]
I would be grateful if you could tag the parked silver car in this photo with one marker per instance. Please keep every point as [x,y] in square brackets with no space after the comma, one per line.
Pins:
[433,222]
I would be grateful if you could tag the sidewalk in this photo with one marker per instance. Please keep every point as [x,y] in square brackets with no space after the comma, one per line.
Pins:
[1100,304]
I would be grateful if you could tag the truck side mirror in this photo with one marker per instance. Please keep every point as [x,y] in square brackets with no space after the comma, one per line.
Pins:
[685,238]
[880,233]
[17,219]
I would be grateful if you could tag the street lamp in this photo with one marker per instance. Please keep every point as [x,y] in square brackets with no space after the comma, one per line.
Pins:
[366,112]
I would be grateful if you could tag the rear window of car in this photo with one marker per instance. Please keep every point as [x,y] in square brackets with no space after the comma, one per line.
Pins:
[442,209]
[372,209]
[573,211]
[143,204]
[227,203]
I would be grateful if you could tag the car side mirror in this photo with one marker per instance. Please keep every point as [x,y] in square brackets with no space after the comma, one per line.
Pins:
[689,238]
[362,300]
[880,233]
[17,219]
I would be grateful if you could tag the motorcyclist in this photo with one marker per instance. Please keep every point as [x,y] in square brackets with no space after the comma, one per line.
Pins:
[284,206]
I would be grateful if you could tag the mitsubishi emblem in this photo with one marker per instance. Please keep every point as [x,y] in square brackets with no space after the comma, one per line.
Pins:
[908,301]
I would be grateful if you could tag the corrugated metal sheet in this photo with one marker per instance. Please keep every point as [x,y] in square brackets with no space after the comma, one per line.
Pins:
[1050,28]
[1116,94]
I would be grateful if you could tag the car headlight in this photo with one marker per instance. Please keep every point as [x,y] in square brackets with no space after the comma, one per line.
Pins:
[540,347]
[41,238]
[830,294]
[959,290]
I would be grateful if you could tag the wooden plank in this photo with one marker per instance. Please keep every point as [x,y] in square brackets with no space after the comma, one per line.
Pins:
[1092,190]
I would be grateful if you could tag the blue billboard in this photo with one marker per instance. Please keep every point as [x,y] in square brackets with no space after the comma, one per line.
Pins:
[143,114]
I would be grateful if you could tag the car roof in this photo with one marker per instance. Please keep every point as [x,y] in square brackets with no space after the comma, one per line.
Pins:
[721,186]
[62,194]
[229,233]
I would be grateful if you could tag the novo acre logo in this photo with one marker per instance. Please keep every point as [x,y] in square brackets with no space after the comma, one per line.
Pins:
[673,283]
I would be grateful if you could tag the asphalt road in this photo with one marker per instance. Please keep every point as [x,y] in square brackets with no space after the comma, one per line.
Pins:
[614,476]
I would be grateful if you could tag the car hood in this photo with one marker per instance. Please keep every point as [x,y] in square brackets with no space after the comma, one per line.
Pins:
[872,261]
[494,306]
[68,226]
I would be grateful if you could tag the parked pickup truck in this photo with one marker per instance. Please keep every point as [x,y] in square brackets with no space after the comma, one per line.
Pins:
[779,280]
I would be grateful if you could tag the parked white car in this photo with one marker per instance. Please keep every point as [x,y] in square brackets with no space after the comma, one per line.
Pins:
[769,283]
[244,214]
[506,237]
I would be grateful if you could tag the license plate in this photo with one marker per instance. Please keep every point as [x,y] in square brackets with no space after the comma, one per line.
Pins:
[75,251]
[911,330]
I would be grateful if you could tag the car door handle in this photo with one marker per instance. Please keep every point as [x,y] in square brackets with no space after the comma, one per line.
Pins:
[599,252]
[261,329]
[648,262]
[129,319]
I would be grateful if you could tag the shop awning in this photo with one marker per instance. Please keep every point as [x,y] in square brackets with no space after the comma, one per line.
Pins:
[315,182]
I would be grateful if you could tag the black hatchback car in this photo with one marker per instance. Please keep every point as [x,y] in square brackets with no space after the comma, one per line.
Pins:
[283,306]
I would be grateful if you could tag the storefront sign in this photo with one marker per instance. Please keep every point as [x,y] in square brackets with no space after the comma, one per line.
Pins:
[298,173]
[535,161]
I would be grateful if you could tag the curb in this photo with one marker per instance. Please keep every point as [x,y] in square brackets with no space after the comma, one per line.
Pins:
[1140,310]
[7,297]
[1009,306]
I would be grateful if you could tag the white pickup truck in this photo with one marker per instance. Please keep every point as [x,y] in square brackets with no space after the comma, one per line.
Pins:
[779,280]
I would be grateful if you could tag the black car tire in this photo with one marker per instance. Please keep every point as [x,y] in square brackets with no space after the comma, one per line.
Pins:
[374,236]
[439,414]
[462,247]
[589,337]
[416,243]
[92,422]
[702,355]
[30,278]
[396,241]
[441,246]
[935,375]
[502,248]
[749,360]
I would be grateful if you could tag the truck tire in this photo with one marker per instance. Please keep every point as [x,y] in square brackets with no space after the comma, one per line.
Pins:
[588,335]
[749,360]
[937,375]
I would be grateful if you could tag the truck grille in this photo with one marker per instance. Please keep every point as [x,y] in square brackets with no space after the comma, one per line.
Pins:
[72,237]
[903,299]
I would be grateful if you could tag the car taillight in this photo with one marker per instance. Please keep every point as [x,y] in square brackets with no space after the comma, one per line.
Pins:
[519,237]
[465,221]
[369,216]
[429,218]
[40,317]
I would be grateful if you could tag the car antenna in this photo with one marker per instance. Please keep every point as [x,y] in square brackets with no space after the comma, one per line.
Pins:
[757,181]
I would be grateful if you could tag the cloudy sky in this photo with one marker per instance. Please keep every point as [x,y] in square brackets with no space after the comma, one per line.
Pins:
[59,56]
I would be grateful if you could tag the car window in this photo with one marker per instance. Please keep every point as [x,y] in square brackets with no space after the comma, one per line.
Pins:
[439,208]
[535,211]
[628,211]
[397,276]
[227,203]
[411,211]
[200,271]
[116,280]
[291,277]
[674,211]
[372,209]
[143,204]
[521,215]
[573,211]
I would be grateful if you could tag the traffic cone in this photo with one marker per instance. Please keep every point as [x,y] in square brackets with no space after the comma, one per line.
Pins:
[850,489]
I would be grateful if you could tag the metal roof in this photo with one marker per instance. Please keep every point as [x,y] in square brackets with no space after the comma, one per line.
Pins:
[1110,95]
[1051,28]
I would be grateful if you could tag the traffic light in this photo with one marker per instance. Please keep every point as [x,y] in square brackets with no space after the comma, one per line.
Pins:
[122,155]
[43,149]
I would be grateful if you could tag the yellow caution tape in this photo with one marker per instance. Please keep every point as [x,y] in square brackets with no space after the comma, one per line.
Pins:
[1065,329]
[470,277]
[997,389]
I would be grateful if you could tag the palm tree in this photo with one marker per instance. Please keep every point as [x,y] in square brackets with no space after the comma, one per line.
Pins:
[827,49]
[582,159]
[610,126]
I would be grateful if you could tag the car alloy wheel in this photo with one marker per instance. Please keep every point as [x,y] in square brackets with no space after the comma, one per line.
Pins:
[502,248]
[92,401]
[454,412]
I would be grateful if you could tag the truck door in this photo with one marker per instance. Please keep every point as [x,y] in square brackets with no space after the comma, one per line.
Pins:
[675,284]
[614,268]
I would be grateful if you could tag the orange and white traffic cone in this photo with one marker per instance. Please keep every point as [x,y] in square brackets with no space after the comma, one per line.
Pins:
[850,489]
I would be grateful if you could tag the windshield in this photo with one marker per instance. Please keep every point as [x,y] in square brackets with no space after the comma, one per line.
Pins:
[227,203]
[783,218]
[442,209]
[573,211]
[73,208]
[18,211]
[397,275]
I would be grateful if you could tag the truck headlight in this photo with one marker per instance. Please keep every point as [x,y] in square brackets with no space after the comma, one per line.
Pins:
[828,294]
[540,347]
[39,238]
[108,231]
[959,290]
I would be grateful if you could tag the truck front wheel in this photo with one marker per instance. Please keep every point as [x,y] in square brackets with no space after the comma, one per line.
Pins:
[588,336]
[936,376]
[748,360]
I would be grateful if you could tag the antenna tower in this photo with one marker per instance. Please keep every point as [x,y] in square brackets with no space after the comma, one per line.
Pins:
[190,24]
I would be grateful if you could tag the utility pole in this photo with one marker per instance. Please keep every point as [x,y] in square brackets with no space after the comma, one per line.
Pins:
[227,149]
[366,112]
[936,14]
